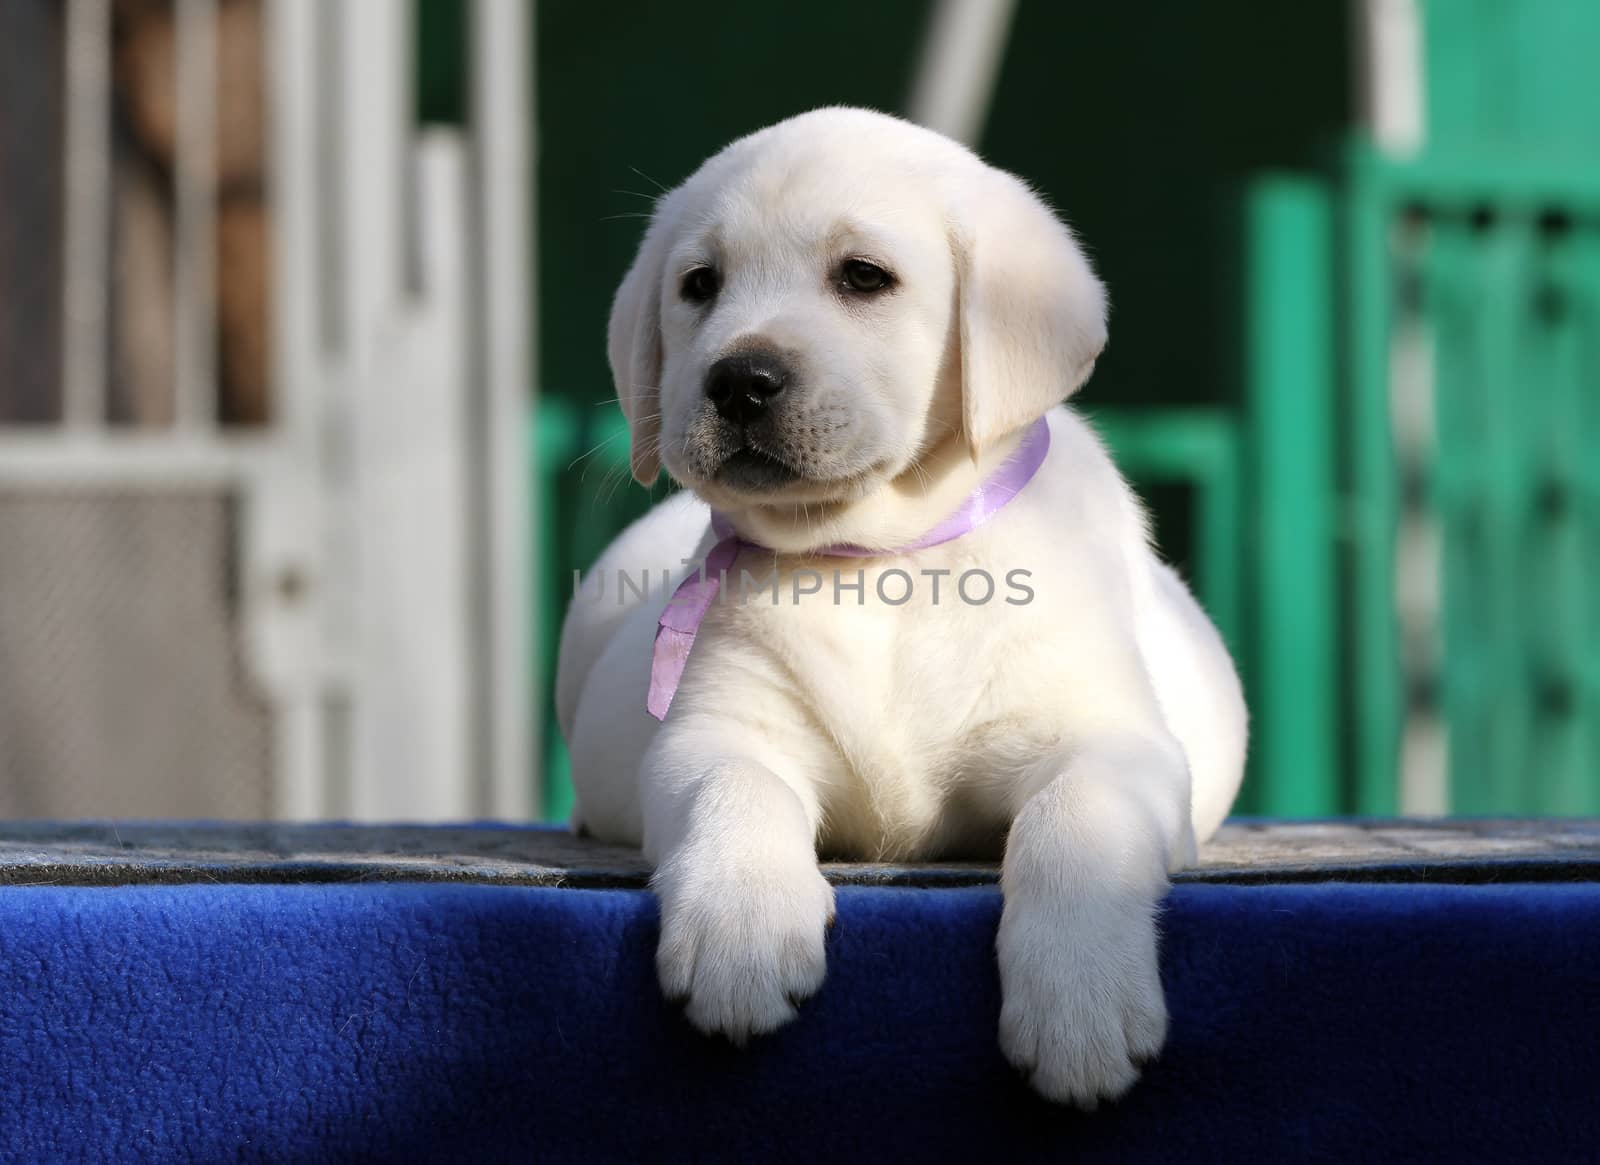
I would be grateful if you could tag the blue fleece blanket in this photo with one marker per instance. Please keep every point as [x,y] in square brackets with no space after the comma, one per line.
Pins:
[465,1023]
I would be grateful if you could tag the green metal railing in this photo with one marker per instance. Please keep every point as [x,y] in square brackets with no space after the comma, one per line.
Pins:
[1290,651]
[1495,269]
[1423,429]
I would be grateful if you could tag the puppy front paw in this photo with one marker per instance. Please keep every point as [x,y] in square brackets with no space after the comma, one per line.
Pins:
[742,947]
[1082,1007]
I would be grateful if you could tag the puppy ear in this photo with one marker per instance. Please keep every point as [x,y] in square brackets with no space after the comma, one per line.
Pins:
[633,343]
[1032,313]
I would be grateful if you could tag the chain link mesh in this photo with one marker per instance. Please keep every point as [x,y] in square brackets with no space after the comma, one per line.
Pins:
[121,690]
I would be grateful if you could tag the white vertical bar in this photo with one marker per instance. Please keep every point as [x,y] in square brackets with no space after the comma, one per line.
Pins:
[87,242]
[280,634]
[374,95]
[283,540]
[375,64]
[961,55]
[1391,95]
[294,102]
[195,236]
[503,121]
[414,480]
[1419,571]
[1390,82]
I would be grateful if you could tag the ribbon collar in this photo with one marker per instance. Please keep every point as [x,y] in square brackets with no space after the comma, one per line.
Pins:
[675,631]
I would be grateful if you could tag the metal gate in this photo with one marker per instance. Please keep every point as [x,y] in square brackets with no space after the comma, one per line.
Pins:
[308,601]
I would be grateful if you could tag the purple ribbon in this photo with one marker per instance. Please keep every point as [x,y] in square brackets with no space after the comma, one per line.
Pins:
[686,610]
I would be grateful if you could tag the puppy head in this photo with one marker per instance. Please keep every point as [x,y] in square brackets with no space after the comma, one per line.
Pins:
[824,301]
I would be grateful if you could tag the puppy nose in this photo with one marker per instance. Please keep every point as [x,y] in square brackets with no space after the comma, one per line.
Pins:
[741,387]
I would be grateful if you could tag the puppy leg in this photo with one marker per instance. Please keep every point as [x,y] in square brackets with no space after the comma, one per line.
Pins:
[1085,868]
[744,907]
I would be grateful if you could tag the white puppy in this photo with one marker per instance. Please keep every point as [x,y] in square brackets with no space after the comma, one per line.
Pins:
[834,333]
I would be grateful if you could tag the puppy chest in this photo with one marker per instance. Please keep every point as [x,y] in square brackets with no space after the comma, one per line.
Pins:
[919,725]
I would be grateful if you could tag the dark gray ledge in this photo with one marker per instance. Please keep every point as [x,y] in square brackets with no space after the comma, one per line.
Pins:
[101,854]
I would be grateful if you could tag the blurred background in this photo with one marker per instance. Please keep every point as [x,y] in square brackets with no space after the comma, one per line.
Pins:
[305,419]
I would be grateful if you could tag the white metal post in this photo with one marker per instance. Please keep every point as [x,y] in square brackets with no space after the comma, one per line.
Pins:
[87,244]
[503,120]
[1390,74]
[1391,93]
[405,744]
[195,236]
[285,579]
[961,56]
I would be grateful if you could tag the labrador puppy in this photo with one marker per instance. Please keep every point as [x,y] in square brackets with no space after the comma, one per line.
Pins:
[837,335]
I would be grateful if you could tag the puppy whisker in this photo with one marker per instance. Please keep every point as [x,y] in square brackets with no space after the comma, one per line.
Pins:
[649,179]
[595,449]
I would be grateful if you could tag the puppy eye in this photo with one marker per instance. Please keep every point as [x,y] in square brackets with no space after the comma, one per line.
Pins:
[700,285]
[859,275]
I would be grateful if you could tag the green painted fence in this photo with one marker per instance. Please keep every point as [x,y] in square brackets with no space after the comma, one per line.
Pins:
[1423,423]
[1494,270]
